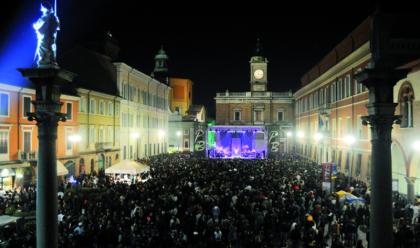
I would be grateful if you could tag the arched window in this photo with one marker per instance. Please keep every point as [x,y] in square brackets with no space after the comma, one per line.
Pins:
[405,99]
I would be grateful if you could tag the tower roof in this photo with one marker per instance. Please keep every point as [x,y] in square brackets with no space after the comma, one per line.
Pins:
[161,55]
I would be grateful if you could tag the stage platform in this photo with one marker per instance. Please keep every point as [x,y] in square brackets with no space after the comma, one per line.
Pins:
[230,142]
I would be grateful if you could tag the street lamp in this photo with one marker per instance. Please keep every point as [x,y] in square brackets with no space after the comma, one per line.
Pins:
[289,134]
[300,134]
[75,138]
[318,137]
[416,145]
[161,133]
[135,135]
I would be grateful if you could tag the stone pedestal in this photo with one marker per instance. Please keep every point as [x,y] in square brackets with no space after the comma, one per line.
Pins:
[47,115]
[381,117]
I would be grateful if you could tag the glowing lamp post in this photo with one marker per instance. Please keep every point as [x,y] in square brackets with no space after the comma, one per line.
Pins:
[300,134]
[416,145]
[318,137]
[75,138]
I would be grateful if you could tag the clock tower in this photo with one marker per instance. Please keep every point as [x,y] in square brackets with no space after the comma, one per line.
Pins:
[258,69]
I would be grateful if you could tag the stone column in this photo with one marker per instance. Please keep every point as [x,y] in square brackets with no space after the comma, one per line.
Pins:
[381,118]
[410,188]
[47,115]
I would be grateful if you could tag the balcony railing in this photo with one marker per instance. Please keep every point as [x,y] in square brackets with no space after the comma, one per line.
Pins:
[103,145]
[32,155]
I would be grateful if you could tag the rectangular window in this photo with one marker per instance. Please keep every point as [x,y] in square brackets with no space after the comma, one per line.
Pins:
[69,110]
[358,170]
[82,104]
[4,142]
[280,116]
[258,115]
[92,134]
[101,107]
[101,135]
[117,135]
[131,152]
[340,128]
[92,106]
[339,159]
[237,115]
[4,104]
[186,144]
[110,108]
[26,105]
[68,142]
[125,152]
[186,131]
[27,141]
[348,125]
[109,135]
[138,121]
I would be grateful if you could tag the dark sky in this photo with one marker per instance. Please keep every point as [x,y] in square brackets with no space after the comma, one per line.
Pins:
[209,41]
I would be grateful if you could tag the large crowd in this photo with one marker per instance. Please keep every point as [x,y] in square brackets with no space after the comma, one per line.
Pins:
[193,202]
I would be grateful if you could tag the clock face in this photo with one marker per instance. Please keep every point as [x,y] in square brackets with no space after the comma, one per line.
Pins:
[258,74]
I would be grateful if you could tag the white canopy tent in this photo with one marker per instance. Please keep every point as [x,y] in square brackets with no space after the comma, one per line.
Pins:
[127,167]
[61,169]
[6,219]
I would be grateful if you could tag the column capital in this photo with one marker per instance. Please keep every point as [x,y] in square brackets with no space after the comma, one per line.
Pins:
[410,180]
[380,76]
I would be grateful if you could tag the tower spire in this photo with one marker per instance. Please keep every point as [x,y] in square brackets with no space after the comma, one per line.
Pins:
[259,49]
[161,71]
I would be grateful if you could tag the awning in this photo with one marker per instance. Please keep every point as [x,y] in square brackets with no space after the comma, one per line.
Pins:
[127,167]
[6,219]
[61,169]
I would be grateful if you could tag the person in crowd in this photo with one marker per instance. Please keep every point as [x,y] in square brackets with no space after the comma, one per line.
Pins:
[195,202]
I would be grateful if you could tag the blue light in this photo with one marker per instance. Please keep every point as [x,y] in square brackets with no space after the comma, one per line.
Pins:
[19,45]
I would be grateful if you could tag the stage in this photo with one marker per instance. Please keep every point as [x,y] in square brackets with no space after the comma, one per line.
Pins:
[244,142]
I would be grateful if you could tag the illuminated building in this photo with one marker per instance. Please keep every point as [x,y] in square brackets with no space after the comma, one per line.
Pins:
[270,113]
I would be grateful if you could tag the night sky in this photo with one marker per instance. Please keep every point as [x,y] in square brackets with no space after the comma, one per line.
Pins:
[209,42]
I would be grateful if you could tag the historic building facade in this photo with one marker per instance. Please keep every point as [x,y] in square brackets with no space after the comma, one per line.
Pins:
[329,107]
[144,113]
[258,107]
[18,136]
[99,120]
